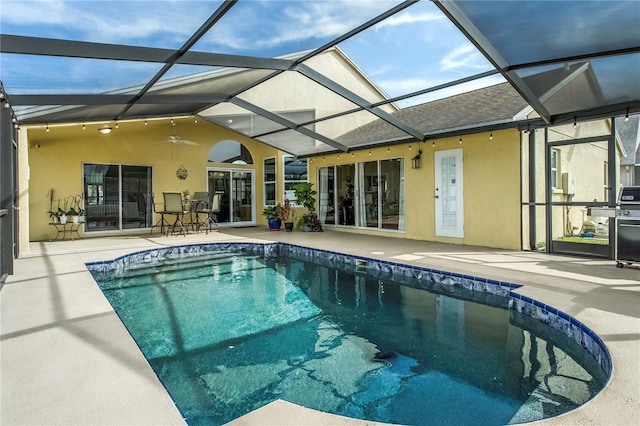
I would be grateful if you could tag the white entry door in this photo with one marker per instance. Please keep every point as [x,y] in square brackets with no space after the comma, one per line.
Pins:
[449,205]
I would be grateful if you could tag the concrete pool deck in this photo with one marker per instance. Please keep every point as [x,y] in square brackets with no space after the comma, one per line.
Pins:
[65,357]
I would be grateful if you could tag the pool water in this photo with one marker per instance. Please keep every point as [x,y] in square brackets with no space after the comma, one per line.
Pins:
[229,333]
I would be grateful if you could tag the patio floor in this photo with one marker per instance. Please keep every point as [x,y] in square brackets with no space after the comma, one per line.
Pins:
[67,359]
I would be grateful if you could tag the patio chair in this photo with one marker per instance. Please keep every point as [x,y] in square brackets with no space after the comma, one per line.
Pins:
[173,205]
[199,205]
[211,209]
[157,210]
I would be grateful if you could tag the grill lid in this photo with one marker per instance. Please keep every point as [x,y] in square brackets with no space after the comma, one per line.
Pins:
[629,195]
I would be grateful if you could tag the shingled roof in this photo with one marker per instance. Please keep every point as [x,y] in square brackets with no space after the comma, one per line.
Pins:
[494,105]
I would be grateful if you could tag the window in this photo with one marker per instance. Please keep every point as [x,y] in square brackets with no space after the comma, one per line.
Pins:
[269,181]
[295,171]
[554,167]
[232,152]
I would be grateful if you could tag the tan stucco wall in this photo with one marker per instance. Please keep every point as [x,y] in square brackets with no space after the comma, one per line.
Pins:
[56,158]
[491,188]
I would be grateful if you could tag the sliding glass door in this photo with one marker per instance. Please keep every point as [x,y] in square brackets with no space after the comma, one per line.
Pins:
[366,195]
[117,197]
[236,187]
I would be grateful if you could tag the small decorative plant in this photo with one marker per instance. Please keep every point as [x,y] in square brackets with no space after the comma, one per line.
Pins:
[306,196]
[272,213]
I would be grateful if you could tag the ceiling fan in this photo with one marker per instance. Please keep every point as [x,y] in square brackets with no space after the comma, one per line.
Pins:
[177,140]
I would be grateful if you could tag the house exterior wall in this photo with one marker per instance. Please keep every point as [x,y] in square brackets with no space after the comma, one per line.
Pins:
[56,160]
[491,189]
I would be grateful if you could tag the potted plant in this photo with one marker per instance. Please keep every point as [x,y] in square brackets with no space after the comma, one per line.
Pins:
[272,213]
[287,214]
[62,215]
[55,215]
[75,216]
[306,196]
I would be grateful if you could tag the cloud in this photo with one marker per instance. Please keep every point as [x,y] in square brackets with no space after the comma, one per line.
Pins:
[104,22]
[408,18]
[465,56]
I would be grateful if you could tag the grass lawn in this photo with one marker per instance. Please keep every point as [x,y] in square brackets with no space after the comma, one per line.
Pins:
[602,241]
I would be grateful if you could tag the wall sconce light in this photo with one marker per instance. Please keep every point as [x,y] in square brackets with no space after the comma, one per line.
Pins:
[105,130]
[415,161]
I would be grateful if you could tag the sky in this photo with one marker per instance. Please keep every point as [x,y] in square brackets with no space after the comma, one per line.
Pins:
[415,49]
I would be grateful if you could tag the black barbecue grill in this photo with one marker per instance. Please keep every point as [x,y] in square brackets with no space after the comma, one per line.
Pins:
[627,229]
[628,226]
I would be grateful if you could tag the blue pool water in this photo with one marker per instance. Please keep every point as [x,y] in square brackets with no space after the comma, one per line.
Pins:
[228,333]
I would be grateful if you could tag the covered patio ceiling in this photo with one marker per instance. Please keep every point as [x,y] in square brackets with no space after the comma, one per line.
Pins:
[93,61]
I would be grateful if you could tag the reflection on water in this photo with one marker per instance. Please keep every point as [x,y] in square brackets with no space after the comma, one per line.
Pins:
[227,334]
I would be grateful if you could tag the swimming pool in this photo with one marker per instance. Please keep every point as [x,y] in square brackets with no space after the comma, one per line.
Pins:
[231,327]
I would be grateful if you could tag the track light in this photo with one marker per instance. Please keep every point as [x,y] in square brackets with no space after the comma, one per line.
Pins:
[626,117]
[460,139]
[47,127]
[145,122]
[575,122]
[84,126]
[491,136]
[116,124]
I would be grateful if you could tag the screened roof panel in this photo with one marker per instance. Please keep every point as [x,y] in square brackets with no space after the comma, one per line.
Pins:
[530,30]
[278,27]
[73,113]
[251,124]
[134,22]
[293,142]
[30,74]
[525,38]
[399,65]
[293,91]
[112,59]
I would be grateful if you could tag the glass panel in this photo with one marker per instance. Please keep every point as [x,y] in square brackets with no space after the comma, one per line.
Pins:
[370,194]
[136,205]
[390,189]
[102,197]
[326,195]
[220,183]
[345,190]
[449,192]
[295,171]
[270,182]
[275,28]
[232,152]
[242,196]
